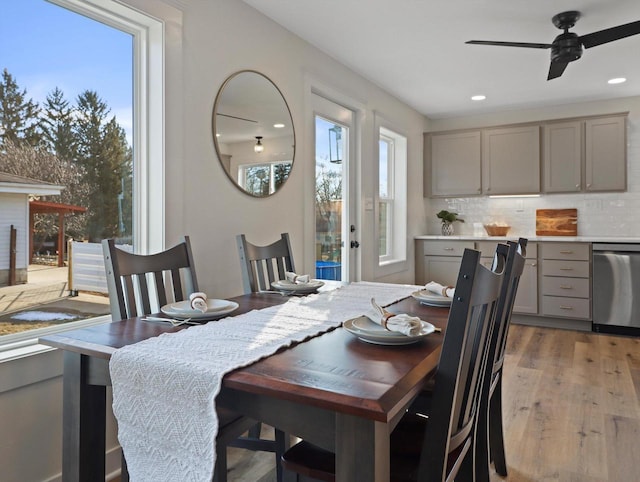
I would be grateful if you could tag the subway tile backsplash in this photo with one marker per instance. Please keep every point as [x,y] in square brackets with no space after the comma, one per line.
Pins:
[599,214]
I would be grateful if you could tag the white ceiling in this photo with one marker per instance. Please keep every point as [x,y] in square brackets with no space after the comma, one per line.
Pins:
[415,49]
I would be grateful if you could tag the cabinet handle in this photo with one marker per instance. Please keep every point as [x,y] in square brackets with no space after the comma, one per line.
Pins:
[566,252]
[566,307]
[566,269]
[448,249]
[566,287]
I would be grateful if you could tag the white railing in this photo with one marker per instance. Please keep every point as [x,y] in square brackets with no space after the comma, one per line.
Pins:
[86,271]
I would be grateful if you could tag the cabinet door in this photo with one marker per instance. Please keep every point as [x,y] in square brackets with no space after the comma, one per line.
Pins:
[441,269]
[455,164]
[527,297]
[606,154]
[562,153]
[511,160]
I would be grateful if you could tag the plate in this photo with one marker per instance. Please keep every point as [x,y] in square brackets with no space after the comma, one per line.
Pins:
[284,285]
[370,332]
[177,311]
[212,305]
[426,297]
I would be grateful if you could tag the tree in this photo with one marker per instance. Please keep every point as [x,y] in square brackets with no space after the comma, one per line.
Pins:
[56,123]
[18,117]
[101,151]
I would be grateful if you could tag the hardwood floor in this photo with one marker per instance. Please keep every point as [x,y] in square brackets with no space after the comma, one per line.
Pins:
[571,410]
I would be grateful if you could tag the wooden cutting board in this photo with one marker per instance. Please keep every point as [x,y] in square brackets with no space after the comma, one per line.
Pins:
[557,222]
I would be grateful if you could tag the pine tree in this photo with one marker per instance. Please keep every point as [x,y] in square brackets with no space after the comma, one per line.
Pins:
[18,117]
[57,125]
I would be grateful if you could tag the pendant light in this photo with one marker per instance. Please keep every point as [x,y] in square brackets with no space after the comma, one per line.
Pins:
[258,147]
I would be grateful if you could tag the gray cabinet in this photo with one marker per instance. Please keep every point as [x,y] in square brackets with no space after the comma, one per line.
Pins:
[562,157]
[606,154]
[453,161]
[511,160]
[585,155]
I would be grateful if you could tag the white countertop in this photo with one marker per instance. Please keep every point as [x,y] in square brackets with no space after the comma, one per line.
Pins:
[584,239]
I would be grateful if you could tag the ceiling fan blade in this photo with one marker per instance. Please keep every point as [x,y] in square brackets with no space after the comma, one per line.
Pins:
[610,34]
[556,69]
[510,44]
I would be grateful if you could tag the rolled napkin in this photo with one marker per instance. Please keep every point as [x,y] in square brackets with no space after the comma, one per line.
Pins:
[401,322]
[439,289]
[198,301]
[298,279]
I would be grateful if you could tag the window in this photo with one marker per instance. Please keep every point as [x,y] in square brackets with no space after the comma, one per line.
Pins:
[138,196]
[263,179]
[392,197]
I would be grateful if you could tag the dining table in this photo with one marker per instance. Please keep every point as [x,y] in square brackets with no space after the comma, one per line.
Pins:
[333,389]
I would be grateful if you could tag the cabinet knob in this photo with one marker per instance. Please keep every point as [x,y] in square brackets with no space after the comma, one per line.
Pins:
[534,264]
[588,185]
[577,186]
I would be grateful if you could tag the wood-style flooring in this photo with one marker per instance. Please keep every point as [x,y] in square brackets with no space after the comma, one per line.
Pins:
[571,404]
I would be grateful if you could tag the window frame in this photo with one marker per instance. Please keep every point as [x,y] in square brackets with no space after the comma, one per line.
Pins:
[148,140]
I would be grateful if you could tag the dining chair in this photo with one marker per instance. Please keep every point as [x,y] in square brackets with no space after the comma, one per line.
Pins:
[262,265]
[133,282]
[490,434]
[438,447]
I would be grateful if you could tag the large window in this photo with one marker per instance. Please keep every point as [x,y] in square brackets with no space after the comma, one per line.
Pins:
[392,197]
[86,78]
[263,179]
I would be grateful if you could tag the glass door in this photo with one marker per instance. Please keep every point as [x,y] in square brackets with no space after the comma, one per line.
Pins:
[334,222]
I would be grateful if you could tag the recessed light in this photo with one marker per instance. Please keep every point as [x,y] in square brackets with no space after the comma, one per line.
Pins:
[217,134]
[278,126]
[478,97]
[617,80]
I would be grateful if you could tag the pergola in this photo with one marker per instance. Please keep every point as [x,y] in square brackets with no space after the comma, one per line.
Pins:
[46,207]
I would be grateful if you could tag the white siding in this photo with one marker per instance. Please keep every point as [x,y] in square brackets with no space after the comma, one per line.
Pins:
[14,209]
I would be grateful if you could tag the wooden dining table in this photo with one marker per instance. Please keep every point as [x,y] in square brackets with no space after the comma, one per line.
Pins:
[333,389]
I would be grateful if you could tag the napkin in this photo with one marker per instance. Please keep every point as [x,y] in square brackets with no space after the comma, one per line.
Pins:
[439,289]
[401,323]
[198,301]
[298,279]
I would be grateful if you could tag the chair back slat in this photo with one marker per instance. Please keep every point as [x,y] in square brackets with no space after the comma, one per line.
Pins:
[131,292]
[458,380]
[262,265]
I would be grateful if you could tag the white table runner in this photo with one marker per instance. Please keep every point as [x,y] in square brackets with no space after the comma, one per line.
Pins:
[164,388]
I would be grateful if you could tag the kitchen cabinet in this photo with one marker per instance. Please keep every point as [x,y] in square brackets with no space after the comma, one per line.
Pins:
[511,160]
[606,154]
[453,161]
[566,280]
[585,155]
[562,157]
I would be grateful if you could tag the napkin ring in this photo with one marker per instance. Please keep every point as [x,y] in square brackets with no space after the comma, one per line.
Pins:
[444,290]
[385,317]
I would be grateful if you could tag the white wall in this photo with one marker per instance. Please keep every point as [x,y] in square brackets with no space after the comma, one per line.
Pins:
[599,214]
[15,210]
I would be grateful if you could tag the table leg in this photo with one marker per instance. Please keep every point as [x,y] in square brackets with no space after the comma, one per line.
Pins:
[362,450]
[84,424]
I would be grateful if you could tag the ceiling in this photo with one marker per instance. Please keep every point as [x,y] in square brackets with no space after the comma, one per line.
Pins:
[415,49]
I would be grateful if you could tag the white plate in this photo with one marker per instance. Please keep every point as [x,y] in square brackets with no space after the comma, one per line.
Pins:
[370,332]
[427,297]
[285,285]
[212,305]
[172,311]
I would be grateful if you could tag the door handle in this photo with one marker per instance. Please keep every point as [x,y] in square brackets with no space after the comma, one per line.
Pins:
[355,244]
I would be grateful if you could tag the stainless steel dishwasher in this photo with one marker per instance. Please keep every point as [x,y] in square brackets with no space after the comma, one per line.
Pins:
[616,288]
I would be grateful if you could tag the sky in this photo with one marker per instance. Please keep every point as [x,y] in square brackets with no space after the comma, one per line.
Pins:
[44,46]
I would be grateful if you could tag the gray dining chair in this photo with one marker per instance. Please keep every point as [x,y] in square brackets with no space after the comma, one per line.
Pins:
[262,265]
[439,447]
[133,280]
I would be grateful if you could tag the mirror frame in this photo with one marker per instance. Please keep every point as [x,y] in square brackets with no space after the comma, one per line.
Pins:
[214,130]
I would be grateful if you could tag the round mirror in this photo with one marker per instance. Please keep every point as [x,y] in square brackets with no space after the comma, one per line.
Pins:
[253,133]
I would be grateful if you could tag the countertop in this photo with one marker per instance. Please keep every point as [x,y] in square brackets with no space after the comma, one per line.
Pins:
[584,239]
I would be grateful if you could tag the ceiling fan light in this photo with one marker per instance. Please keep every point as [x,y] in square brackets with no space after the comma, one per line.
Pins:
[478,97]
[617,80]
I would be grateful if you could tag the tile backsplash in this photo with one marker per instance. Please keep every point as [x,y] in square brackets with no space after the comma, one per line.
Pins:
[599,214]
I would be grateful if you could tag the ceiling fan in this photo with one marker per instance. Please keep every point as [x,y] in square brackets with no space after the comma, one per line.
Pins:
[567,46]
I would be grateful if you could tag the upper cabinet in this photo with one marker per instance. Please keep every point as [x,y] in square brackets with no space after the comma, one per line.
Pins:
[586,155]
[606,154]
[511,160]
[560,156]
[455,163]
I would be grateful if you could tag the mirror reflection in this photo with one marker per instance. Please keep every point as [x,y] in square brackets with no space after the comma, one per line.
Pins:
[253,133]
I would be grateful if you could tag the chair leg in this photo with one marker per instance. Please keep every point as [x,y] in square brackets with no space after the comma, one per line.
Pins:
[480,446]
[496,434]
[220,470]
[281,446]
[254,432]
